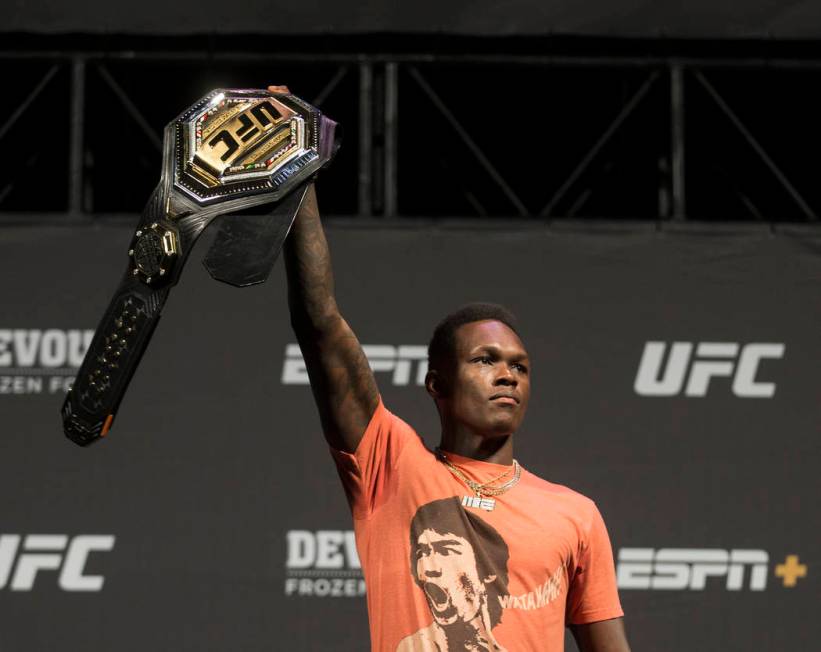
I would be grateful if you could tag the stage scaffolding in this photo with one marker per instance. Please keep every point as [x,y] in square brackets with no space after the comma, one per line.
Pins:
[656,138]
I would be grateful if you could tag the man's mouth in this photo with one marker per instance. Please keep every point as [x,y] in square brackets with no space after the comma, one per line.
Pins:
[507,399]
[438,598]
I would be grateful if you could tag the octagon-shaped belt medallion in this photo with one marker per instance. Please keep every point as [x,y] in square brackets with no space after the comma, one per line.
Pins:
[238,142]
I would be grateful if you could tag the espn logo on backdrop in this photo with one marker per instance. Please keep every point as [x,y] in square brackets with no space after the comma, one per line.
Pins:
[673,370]
[36,361]
[689,568]
[21,565]
[323,563]
[406,363]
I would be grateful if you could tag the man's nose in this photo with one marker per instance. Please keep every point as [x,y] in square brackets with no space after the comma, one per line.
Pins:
[505,376]
[430,568]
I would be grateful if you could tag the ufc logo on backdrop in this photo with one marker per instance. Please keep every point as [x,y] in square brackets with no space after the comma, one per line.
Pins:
[50,552]
[689,568]
[406,363]
[657,377]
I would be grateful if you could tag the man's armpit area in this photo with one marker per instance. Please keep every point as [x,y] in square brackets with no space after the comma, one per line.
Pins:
[366,472]
[379,417]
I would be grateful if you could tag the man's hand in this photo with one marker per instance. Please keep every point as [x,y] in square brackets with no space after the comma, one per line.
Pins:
[278,89]
[602,636]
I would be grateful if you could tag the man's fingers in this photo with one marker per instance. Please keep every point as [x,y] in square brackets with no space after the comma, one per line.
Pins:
[279,89]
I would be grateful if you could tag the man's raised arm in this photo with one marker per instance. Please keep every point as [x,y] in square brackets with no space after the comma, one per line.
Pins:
[342,382]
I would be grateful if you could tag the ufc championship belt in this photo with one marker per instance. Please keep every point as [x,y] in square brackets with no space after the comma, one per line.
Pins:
[232,150]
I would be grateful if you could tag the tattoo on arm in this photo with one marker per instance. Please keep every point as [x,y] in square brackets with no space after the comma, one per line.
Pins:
[342,382]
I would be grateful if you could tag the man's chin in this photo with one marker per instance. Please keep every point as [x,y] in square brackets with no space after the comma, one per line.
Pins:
[504,426]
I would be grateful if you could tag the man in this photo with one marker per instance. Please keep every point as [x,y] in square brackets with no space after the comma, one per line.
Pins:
[463,590]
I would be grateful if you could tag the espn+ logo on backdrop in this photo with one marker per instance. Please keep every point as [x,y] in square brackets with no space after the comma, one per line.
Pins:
[407,363]
[322,563]
[687,368]
[25,560]
[36,361]
[697,569]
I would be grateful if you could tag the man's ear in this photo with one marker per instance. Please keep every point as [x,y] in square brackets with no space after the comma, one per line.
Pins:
[434,384]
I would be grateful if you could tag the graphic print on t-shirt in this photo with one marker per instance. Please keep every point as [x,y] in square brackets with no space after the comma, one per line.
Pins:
[460,563]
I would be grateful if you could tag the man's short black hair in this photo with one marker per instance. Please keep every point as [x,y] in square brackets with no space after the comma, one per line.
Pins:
[442,346]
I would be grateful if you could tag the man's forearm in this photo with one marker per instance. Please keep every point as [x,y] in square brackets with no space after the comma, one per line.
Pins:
[341,379]
[310,276]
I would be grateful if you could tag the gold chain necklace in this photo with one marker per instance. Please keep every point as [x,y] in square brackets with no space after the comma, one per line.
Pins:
[482,490]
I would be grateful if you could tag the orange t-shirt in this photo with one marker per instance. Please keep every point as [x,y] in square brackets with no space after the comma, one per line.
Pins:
[443,575]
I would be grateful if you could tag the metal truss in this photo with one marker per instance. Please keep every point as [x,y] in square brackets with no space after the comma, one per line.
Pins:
[408,110]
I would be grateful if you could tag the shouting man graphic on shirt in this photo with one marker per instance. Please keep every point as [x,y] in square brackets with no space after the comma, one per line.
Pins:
[462,581]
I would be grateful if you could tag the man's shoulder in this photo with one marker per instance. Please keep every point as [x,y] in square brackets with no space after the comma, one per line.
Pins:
[395,419]
[404,436]
[558,492]
[385,421]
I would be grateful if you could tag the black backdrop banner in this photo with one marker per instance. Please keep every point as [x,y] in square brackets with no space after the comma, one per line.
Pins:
[676,382]
[788,19]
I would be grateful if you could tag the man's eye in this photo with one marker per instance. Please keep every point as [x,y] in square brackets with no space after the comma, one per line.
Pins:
[483,359]
[520,367]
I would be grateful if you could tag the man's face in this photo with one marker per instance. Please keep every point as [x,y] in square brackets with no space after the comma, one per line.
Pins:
[446,571]
[490,384]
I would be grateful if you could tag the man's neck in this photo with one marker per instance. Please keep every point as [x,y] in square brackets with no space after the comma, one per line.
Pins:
[497,450]
[473,635]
